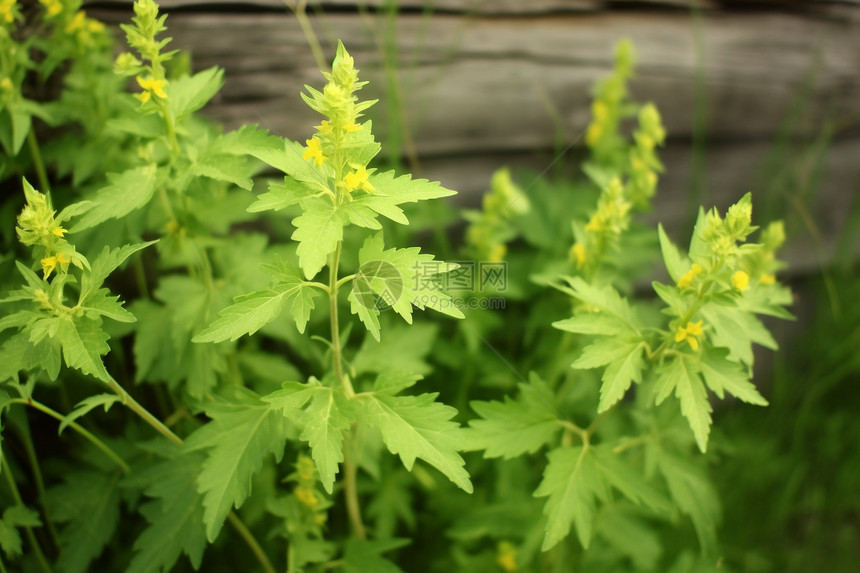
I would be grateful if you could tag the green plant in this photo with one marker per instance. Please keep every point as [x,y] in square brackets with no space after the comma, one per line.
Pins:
[273,407]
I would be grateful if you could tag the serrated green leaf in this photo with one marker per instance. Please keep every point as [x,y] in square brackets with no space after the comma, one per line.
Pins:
[576,478]
[189,93]
[573,483]
[681,375]
[400,279]
[391,191]
[175,516]
[512,428]
[737,330]
[84,343]
[320,412]
[362,556]
[250,312]
[605,299]
[18,354]
[694,495]
[620,374]
[368,315]
[103,265]
[223,167]
[675,264]
[237,440]
[281,195]
[591,323]
[288,157]
[418,427]
[126,192]
[89,502]
[86,405]
[722,375]
[318,231]
[324,428]
[671,296]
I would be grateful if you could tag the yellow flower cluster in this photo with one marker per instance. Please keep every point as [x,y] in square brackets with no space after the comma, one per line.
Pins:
[314,151]
[506,556]
[332,148]
[8,11]
[613,211]
[690,276]
[52,7]
[50,263]
[151,87]
[39,227]
[601,136]
[491,227]
[690,333]
[644,165]
[305,490]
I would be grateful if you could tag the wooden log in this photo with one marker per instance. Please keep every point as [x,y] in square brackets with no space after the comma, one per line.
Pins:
[501,83]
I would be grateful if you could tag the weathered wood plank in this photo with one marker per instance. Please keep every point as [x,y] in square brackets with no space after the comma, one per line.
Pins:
[730,171]
[498,83]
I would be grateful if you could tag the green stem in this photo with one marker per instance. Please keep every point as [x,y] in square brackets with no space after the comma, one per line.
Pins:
[38,163]
[249,538]
[143,413]
[33,462]
[16,495]
[298,8]
[353,507]
[79,429]
[337,360]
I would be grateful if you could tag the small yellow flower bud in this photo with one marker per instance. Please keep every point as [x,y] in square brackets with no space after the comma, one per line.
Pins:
[767,279]
[314,151]
[740,280]
[689,333]
[306,497]
[690,276]
[497,253]
[577,253]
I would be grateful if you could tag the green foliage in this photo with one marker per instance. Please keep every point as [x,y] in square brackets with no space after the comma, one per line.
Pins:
[301,425]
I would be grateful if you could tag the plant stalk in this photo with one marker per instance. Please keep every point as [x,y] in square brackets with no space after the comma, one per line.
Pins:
[353,506]
[16,495]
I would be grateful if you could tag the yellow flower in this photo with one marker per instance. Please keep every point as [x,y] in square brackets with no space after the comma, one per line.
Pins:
[50,263]
[497,253]
[592,136]
[767,279]
[314,151]
[77,22]
[357,179]
[95,26]
[577,253]
[306,497]
[7,13]
[53,7]
[151,87]
[6,83]
[59,231]
[506,556]
[740,280]
[690,276]
[689,333]
[352,127]
[599,110]
[320,518]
